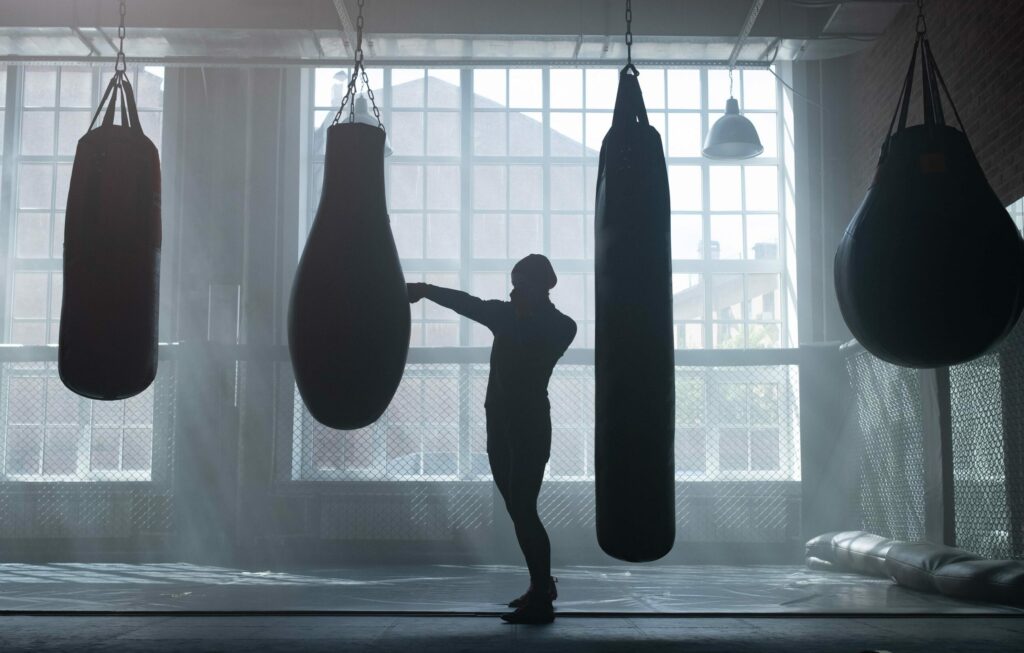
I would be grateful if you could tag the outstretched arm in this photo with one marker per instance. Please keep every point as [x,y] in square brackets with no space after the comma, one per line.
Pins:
[487,313]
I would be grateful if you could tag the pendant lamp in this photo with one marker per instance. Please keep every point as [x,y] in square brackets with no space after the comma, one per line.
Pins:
[732,136]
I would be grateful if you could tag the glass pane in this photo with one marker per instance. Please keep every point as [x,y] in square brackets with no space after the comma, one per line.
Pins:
[60,200]
[443,187]
[489,133]
[37,135]
[569,295]
[763,297]
[489,190]
[525,235]
[105,450]
[685,187]
[684,134]
[489,87]
[686,236]
[60,452]
[441,335]
[443,133]
[718,88]
[766,128]
[598,125]
[406,186]
[763,336]
[3,87]
[526,187]
[407,87]
[30,298]
[683,89]
[526,88]
[727,336]
[76,88]
[152,125]
[73,125]
[24,449]
[652,85]
[764,449]
[329,87]
[443,235]
[759,89]
[725,188]
[57,234]
[566,134]
[408,231]
[407,133]
[566,88]
[732,449]
[727,296]
[526,134]
[24,405]
[489,235]
[567,236]
[443,88]
[138,449]
[32,239]
[566,188]
[40,88]
[35,183]
[490,285]
[762,236]
[149,91]
[690,449]
[762,186]
[726,237]
[687,297]
[602,86]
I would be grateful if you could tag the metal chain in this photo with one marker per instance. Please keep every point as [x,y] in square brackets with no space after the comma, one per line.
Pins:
[922,27]
[120,65]
[358,72]
[629,32]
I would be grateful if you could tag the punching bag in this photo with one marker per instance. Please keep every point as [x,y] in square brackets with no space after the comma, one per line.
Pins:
[930,270]
[634,348]
[349,319]
[110,303]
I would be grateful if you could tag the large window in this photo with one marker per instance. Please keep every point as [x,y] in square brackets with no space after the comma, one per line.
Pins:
[491,164]
[49,433]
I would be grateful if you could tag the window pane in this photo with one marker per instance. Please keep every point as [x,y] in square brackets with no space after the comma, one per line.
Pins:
[526,88]
[762,236]
[566,188]
[762,297]
[764,449]
[149,91]
[566,88]
[408,231]
[137,454]
[30,294]
[652,85]
[152,125]
[732,449]
[683,89]
[762,186]
[76,88]
[24,449]
[60,200]
[759,89]
[684,134]
[687,297]
[443,235]
[443,187]
[718,89]
[524,235]
[407,133]
[443,133]
[443,88]
[526,134]
[73,125]
[407,87]
[727,296]
[489,235]
[526,187]
[406,186]
[602,86]
[686,236]
[685,187]
[766,128]
[489,189]
[726,191]
[567,236]
[489,133]
[726,237]
[60,451]
[489,87]
[40,88]
[32,239]
[598,125]
[106,449]
[37,135]
[566,134]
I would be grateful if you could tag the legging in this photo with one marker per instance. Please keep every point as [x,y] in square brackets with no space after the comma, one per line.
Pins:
[517,464]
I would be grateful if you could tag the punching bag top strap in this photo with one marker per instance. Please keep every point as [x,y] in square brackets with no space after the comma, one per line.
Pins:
[106,95]
[129,102]
[629,102]
[942,84]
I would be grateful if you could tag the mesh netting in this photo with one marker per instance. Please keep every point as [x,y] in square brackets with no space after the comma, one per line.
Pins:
[737,456]
[892,464]
[982,513]
[65,458]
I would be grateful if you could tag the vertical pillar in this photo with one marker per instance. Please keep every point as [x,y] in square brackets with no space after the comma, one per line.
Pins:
[937,431]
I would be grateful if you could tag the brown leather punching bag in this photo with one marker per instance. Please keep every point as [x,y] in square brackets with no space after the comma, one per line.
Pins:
[930,271]
[349,318]
[110,304]
[634,347]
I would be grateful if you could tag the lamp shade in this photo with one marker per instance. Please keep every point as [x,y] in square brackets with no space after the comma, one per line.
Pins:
[363,115]
[732,136]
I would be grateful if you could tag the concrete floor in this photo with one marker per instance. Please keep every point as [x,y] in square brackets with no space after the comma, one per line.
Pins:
[486,634]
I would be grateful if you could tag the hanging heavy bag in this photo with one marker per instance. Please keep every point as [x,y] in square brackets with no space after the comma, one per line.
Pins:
[634,352]
[110,303]
[930,270]
[349,319]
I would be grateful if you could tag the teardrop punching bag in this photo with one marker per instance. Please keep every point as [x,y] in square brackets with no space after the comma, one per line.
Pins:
[634,348]
[110,303]
[930,270]
[348,319]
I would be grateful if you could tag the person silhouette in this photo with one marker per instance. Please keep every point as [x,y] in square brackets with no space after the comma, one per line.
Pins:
[530,335]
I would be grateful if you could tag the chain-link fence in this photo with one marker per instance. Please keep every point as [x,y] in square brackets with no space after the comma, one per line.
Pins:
[737,455]
[892,464]
[72,466]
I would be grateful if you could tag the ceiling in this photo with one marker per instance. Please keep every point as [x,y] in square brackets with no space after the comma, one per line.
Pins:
[305,32]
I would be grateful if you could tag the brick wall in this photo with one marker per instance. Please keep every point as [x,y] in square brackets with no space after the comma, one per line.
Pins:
[979,48]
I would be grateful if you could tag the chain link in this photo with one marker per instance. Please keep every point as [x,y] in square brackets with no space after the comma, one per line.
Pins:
[358,73]
[121,65]
[629,32]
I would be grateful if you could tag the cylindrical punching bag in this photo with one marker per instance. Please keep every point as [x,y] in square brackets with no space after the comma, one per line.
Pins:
[634,348]
[110,302]
[349,320]
[930,271]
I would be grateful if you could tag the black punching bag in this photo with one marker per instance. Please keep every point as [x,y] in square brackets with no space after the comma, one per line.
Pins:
[110,303]
[634,353]
[930,270]
[348,320]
